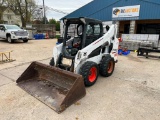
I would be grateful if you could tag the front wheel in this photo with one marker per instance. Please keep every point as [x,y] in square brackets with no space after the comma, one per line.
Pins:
[90,71]
[25,41]
[9,39]
[107,66]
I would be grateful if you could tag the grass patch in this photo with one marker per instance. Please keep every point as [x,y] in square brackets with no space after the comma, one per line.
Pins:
[57,36]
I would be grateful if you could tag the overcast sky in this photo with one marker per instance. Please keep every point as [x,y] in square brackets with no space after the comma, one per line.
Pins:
[63,5]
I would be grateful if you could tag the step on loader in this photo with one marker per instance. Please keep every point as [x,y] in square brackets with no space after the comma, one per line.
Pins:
[76,63]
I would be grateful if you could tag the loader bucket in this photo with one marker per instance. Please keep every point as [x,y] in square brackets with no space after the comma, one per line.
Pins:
[54,87]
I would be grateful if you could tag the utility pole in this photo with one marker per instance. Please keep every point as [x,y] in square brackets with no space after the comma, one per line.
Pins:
[44,13]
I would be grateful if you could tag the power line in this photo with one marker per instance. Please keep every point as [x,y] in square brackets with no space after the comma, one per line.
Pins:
[60,11]
[80,1]
[56,10]
[76,5]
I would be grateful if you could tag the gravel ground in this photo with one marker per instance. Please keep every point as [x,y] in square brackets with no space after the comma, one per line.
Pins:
[131,93]
[27,52]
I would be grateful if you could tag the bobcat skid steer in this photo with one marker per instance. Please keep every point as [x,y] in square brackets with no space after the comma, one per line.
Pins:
[76,63]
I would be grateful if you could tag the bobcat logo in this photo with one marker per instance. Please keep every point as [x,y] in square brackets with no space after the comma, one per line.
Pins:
[116,11]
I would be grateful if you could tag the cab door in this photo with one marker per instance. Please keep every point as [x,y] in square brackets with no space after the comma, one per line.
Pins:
[2,32]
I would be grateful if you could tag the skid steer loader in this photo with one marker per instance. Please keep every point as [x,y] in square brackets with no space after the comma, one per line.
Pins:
[76,63]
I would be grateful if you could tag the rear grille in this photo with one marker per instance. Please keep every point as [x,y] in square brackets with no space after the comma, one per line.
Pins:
[21,33]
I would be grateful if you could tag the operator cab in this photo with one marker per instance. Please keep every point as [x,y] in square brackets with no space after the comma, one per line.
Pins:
[82,32]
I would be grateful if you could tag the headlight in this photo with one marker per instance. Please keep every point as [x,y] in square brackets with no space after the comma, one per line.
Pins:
[12,32]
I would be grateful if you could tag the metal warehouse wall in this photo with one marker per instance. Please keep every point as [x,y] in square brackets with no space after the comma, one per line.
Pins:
[102,9]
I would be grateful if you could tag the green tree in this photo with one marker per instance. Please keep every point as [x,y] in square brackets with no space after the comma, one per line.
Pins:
[52,21]
[43,20]
[57,26]
[56,23]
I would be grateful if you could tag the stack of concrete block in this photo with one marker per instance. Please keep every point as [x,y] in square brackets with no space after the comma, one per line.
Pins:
[133,41]
[147,44]
[154,39]
[130,44]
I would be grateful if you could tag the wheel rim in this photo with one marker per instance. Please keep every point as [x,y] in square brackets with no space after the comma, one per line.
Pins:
[110,67]
[92,74]
[9,39]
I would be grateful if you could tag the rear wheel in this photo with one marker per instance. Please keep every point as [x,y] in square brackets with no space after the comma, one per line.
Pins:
[90,72]
[107,66]
[9,39]
[25,41]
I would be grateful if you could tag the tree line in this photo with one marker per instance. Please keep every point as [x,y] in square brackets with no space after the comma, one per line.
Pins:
[28,11]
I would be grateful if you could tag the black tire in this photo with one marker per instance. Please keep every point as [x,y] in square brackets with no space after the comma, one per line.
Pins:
[107,65]
[9,39]
[90,71]
[25,41]
[52,62]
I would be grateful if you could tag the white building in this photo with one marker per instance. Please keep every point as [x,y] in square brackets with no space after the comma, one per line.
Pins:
[9,17]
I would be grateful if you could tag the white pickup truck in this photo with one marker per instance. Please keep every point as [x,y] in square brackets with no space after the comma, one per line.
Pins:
[12,33]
